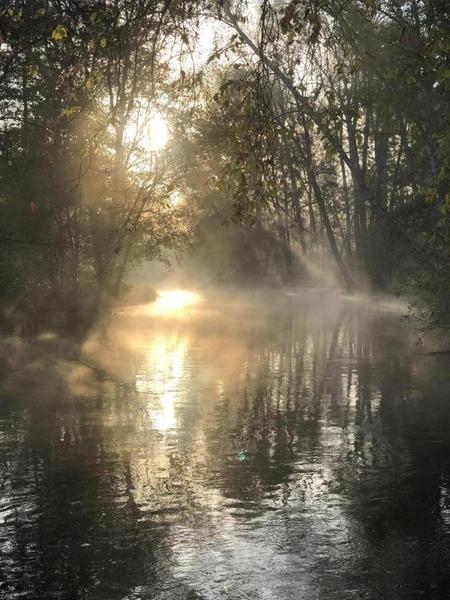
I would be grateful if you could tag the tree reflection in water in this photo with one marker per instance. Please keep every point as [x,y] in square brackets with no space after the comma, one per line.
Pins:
[261,447]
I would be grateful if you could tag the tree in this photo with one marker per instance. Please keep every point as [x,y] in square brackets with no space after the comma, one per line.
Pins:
[82,193]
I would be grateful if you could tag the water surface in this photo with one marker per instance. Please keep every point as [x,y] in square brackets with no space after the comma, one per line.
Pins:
[261,447]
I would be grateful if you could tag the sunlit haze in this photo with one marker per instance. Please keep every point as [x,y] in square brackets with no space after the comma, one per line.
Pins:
[174,301]
[150,133]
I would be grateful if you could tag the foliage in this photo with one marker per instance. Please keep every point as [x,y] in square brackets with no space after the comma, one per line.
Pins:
[313,137]
[80,199]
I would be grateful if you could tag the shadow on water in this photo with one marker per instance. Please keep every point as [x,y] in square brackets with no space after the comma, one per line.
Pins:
[265,447]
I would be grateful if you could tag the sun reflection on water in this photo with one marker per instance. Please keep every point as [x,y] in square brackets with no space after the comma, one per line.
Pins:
[161,379]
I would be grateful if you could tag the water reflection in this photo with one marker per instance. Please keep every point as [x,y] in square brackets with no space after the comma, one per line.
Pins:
[261,447]
[160,379]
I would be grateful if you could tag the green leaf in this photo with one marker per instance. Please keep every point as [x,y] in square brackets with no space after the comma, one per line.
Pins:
[444,73]
[329,152]
[392,74]
[34,71]
[68,112]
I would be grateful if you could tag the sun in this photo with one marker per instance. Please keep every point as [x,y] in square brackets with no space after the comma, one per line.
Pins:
[149,133]
[175,198]
[157,133]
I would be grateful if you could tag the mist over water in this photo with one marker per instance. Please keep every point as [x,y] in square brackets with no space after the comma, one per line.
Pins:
[220,445]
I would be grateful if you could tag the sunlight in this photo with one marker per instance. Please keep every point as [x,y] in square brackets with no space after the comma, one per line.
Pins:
[161,379]
[173,301]
[158,133]
[169,303]
[148,133]
[175,198]
[165,419]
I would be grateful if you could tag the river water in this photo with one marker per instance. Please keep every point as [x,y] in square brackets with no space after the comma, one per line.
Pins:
[267,446]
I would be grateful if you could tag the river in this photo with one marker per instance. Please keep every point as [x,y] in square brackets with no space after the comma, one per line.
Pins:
[266,446]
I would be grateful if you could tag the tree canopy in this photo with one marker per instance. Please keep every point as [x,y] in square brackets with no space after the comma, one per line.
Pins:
[273,141]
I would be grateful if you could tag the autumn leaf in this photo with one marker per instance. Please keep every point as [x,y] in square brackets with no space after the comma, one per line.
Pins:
[68,112]
[103,42]
[59,33]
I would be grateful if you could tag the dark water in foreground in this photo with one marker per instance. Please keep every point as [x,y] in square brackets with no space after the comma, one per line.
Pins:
[267,448]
